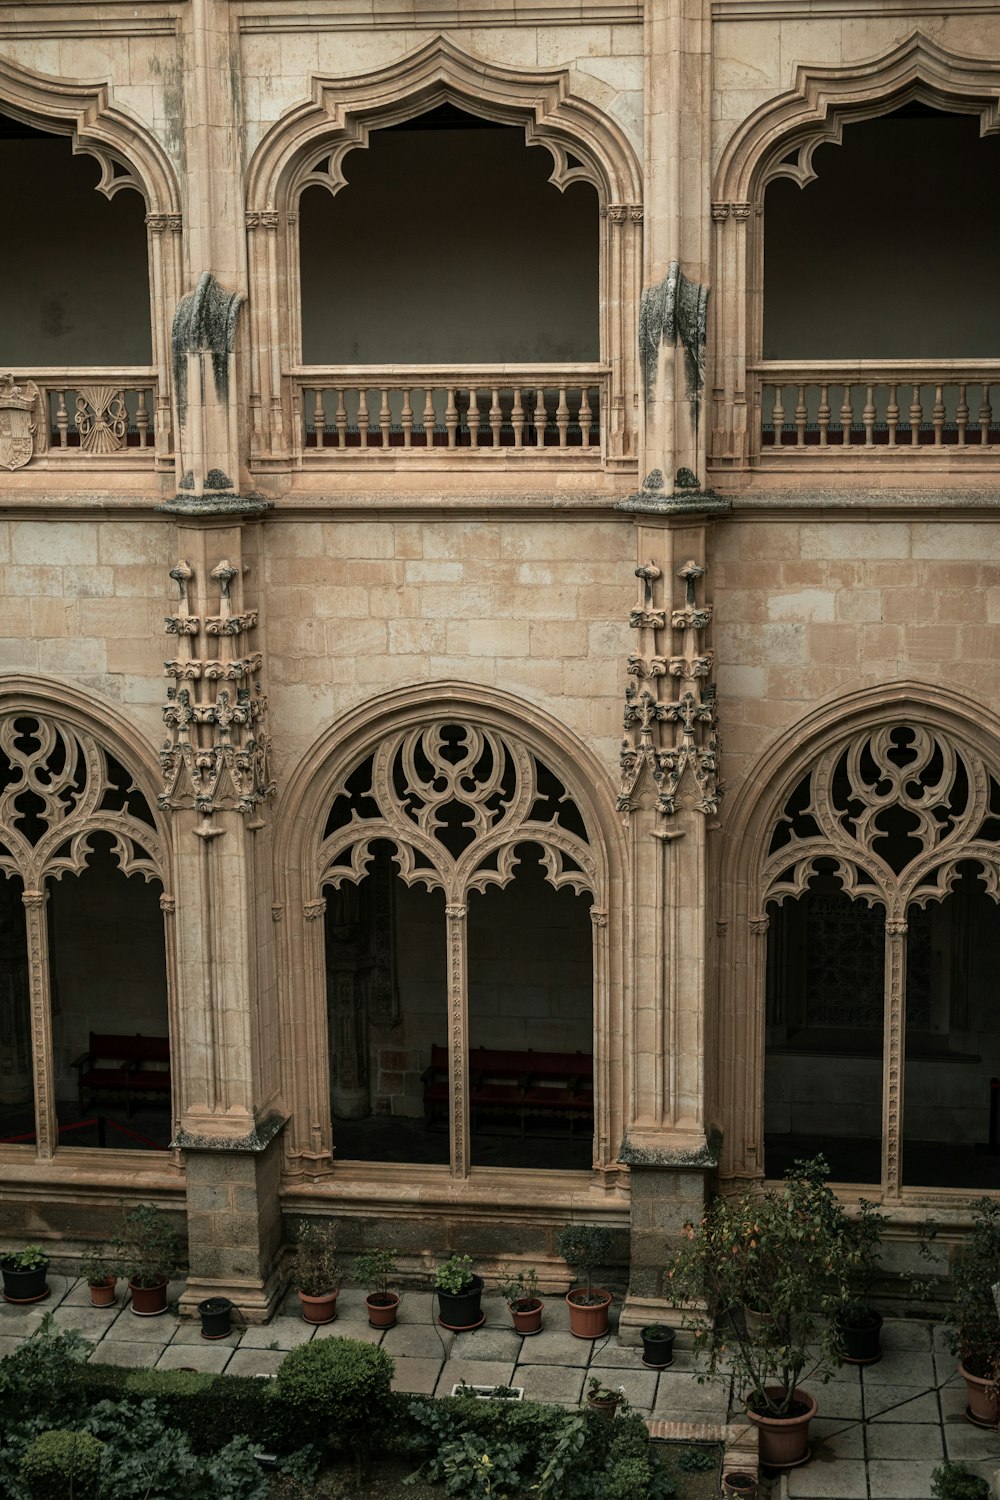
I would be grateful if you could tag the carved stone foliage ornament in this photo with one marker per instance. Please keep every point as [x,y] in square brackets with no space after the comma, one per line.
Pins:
[216,754]
[18,409]
[668,736]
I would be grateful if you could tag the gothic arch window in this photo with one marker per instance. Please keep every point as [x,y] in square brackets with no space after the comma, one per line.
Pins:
[443,1013]
[86,953]
[881,885]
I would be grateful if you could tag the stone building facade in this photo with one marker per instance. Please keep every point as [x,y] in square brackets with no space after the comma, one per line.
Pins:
[498,553]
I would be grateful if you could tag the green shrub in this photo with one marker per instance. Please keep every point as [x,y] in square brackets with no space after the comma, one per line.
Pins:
[60,1464]
[954,1482]
[40,1381]
[199,1405]
[334,1390]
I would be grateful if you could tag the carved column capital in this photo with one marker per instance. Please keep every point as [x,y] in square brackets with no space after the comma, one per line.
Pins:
[312,910]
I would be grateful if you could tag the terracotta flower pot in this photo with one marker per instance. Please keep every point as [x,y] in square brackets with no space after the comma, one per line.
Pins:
[784,1441]
[149,1301]
[319,1309]
[527,1315]
[382,1309]
[605,1405]
[983,1409]
[588,1320]
[739,1482]
[102,1293]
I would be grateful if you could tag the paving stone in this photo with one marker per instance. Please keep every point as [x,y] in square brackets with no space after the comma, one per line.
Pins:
[351,1305]
[954,1400]
[839,1402]
[132,1329]
[79,1294]
[559,1385]
[557,1349]
[831,1438]
[364,1333]
[487,1343]
[679,1398]
[92,1322]
[905,1367]
[900,1480]
[640,1385]
[285,1333]
[619,1357]
[417,1376]
[420,1341]
[901,1403]
[473,1372]
[211,1358]
[254,1362]
[836,1481]
[902,1333]
[946,1369]
[189,1332]
[905,1440]
[132,1356]
[8,1345]
[418,1307]
[963,1440]
[21,1322]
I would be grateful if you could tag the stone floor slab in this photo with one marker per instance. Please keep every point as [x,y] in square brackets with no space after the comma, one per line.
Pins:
[902,1367]
[839,1402]
[963,1440]
[417,1307]
[901,1403]
[622,1357]
[8,1345]
[210,1358]
[78,1294]
[132,1356]
[836,1481]
[905,1440]
[281,1333]
[831,1438]
[189,1332]
[900,1333]
[901,1480]
[418,1341]
[129,1328]
[640,1385]
[473,1372]
[556,1349]
[92,1322]
[21,1322]
[416,1376]
[500,1344]
[557,1384]
[681,1399]
[363,1333]
[254,1362]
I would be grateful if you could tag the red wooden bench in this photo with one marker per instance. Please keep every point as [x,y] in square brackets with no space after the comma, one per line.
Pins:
[521,1083]
[129,1065]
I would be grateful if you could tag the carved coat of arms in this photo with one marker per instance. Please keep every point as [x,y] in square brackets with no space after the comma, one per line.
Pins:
[17,428]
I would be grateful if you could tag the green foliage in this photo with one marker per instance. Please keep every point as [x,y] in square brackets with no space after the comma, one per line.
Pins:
[696,1460]
[40,1381]
[143,1458]
[334,1390]
[466,1468]
[977,1334]
[146,1247]
[656,1331]
[58,1464]
[200,1405]
[783,1250]
[454,1275]
[585,1247]
[316,1259]
[954,1482]
[96,1265]
[862,1260]
[31,1258]
[597,1392]
[519,1287]
[374,1269]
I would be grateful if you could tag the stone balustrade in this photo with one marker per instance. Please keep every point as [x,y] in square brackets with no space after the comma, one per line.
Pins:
[91,415]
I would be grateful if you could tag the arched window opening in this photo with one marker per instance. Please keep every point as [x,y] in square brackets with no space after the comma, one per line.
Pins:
[449,245]
[74,278]
[458,878]
[882,884]
[17,1082]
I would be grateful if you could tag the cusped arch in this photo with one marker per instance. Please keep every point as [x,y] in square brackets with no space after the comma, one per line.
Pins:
[780,138]
[584,142]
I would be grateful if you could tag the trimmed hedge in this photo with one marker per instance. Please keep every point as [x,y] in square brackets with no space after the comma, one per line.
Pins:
[58,1464]
[210,1409]
[334,1391]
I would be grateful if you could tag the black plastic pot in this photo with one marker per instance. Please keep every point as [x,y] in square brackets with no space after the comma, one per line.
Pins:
[657,1352]
[24,1286]
[216,1315]
[860,1341]
[462,1310]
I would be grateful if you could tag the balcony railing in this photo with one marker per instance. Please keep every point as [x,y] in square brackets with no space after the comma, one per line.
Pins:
[439,414]
[96,416]
[879,412]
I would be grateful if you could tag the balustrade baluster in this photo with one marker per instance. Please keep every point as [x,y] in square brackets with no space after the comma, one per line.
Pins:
[62,420]
[142,419]
[846,418]
[451,417]
[801,416]
[319,417]
[586,417]
[517,418]
[541,417]
[363,417]
[385,418]
[916,417]
[823,414]
[562,416]
[341,419]
[472,418]
[892,416]
[961,416]
[778,418]
[937,416]
[985,416]
[406,421]
[430,416]
[496,417]
[868,417]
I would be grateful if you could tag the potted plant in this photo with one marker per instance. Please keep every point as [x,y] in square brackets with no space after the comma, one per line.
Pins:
[586,1246]
[148,1254]
[100,1277]
[797,1231]
[601,1398]
[739,1482]
[859,1326]
[459,1295]
[950,1481]
[373,1268]
[657,1346]
[975,1337]
[520,1292]
[24,1273]
[316,1272]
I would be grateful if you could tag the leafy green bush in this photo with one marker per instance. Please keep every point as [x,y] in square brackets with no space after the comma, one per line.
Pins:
[144,1458]
[334,1390]
[61,1463]
[954,1482]
[40,1381]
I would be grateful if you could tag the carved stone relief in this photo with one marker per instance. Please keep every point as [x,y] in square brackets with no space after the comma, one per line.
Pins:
[18,411]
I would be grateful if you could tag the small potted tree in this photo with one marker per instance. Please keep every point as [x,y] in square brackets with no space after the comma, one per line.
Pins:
[24,1273]
[459,1294]
[520,1292]
[798,1231]
[657,1346]
[148,1254]
[859,1326]
[99,1274]
[374,1268]
[585,1247]
[316,1272]
[601,1398]
[975,1336]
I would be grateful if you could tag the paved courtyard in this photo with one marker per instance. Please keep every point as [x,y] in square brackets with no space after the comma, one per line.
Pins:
[880,1431]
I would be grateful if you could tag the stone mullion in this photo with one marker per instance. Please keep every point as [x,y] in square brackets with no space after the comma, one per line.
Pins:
[602,1038]
[748,1079]
[894,1040]
[46,1123]
[458,1039]
[316,1062]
